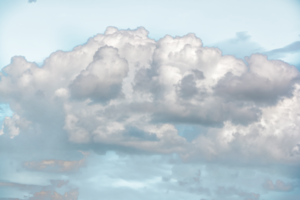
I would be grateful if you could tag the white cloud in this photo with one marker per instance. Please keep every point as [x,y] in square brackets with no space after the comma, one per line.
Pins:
[12,125]
[124,90]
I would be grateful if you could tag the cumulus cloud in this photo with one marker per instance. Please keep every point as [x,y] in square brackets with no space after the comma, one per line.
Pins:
[124,90]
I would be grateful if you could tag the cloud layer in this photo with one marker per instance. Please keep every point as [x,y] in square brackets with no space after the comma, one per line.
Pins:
[124,89]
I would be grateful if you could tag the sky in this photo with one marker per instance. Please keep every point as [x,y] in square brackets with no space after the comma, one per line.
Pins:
[149,100]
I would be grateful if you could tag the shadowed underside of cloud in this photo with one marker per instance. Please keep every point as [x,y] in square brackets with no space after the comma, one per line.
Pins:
[124,90]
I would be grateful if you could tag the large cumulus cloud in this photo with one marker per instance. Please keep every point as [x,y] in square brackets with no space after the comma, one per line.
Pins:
[125,90]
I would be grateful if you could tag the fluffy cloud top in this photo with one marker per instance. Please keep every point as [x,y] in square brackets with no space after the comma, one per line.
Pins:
[125,90]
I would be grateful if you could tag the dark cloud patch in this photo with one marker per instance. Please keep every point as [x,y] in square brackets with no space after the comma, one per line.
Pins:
[251,87]
[242,113]
[139,134]
[192,116]
[291,48]
[89,86]
[146,81]
[102,79]
[199,74]
[32,1]
[187,87]
[237,112]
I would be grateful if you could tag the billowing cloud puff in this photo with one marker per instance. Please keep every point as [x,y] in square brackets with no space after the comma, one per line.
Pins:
[124,90]
[102,79]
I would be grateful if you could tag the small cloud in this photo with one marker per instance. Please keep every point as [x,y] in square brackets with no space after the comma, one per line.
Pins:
[31,1]
[241,37]
[291,48]
[278,186]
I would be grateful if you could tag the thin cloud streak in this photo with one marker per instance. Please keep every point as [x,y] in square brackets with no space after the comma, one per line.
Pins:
[32,1]
[291,48]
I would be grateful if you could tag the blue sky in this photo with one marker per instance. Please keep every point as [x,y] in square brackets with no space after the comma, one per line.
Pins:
[52,25]
[149,99]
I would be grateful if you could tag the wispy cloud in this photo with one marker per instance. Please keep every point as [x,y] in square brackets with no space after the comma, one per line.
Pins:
[241,36]
[32,1]
[291,48]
